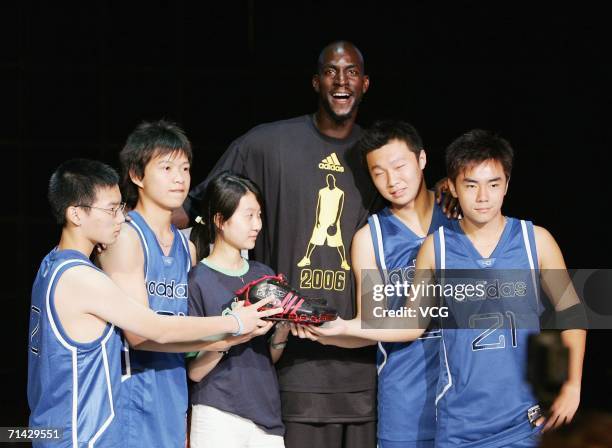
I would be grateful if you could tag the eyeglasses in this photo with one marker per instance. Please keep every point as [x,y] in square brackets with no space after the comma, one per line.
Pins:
[111,211]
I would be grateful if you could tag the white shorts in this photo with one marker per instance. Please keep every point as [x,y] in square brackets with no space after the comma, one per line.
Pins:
[213,428]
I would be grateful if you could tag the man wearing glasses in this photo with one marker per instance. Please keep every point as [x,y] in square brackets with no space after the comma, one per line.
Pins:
[74,347]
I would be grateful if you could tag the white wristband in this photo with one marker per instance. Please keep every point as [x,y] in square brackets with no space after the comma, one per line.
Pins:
[240,326]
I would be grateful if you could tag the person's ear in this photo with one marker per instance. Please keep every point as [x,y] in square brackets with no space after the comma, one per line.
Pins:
[316,82]
[507,185]
[422,159]
[136,179]
[366,84]
[218,220]
[72,216]
[451,187]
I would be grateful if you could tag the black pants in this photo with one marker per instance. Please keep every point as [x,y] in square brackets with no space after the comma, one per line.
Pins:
[330,435]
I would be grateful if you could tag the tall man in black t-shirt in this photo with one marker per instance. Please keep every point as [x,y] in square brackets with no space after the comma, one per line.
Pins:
[328,393]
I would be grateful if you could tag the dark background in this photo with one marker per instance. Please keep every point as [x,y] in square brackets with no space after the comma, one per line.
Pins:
[76,78]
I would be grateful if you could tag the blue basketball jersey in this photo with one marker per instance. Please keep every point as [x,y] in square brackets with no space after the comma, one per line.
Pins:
[407,372]
[155,383]
[71,385]
[483,399]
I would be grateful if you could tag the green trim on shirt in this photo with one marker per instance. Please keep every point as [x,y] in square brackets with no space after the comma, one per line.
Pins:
[230,272]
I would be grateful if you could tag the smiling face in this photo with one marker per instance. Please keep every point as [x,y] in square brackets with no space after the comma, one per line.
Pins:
[480,189]
[396,171]
[241,229]
[340,82]
[166,180]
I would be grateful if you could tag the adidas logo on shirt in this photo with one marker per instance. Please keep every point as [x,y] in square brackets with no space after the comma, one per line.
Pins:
[170,290]
[331,163]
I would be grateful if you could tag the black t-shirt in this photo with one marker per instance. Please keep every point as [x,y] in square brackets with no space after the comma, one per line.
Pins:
[317,195]
[244,381]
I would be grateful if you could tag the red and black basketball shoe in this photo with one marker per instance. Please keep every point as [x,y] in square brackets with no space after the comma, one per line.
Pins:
[296,307]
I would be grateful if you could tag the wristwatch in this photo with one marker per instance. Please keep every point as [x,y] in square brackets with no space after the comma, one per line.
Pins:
[278,345]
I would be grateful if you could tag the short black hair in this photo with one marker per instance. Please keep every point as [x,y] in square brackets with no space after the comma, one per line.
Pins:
[148,140]
[75,182]
[384,131]
[477,146]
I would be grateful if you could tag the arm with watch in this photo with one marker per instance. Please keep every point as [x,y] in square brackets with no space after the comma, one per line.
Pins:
[278,340]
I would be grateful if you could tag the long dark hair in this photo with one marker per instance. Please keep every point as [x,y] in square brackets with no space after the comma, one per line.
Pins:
[222,196]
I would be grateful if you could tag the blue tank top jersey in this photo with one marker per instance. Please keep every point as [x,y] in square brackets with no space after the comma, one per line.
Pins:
[483,398]
[155,383]
[407,372]
[71,385]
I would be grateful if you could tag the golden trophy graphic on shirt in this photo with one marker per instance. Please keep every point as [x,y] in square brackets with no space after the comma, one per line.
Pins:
[327,229]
